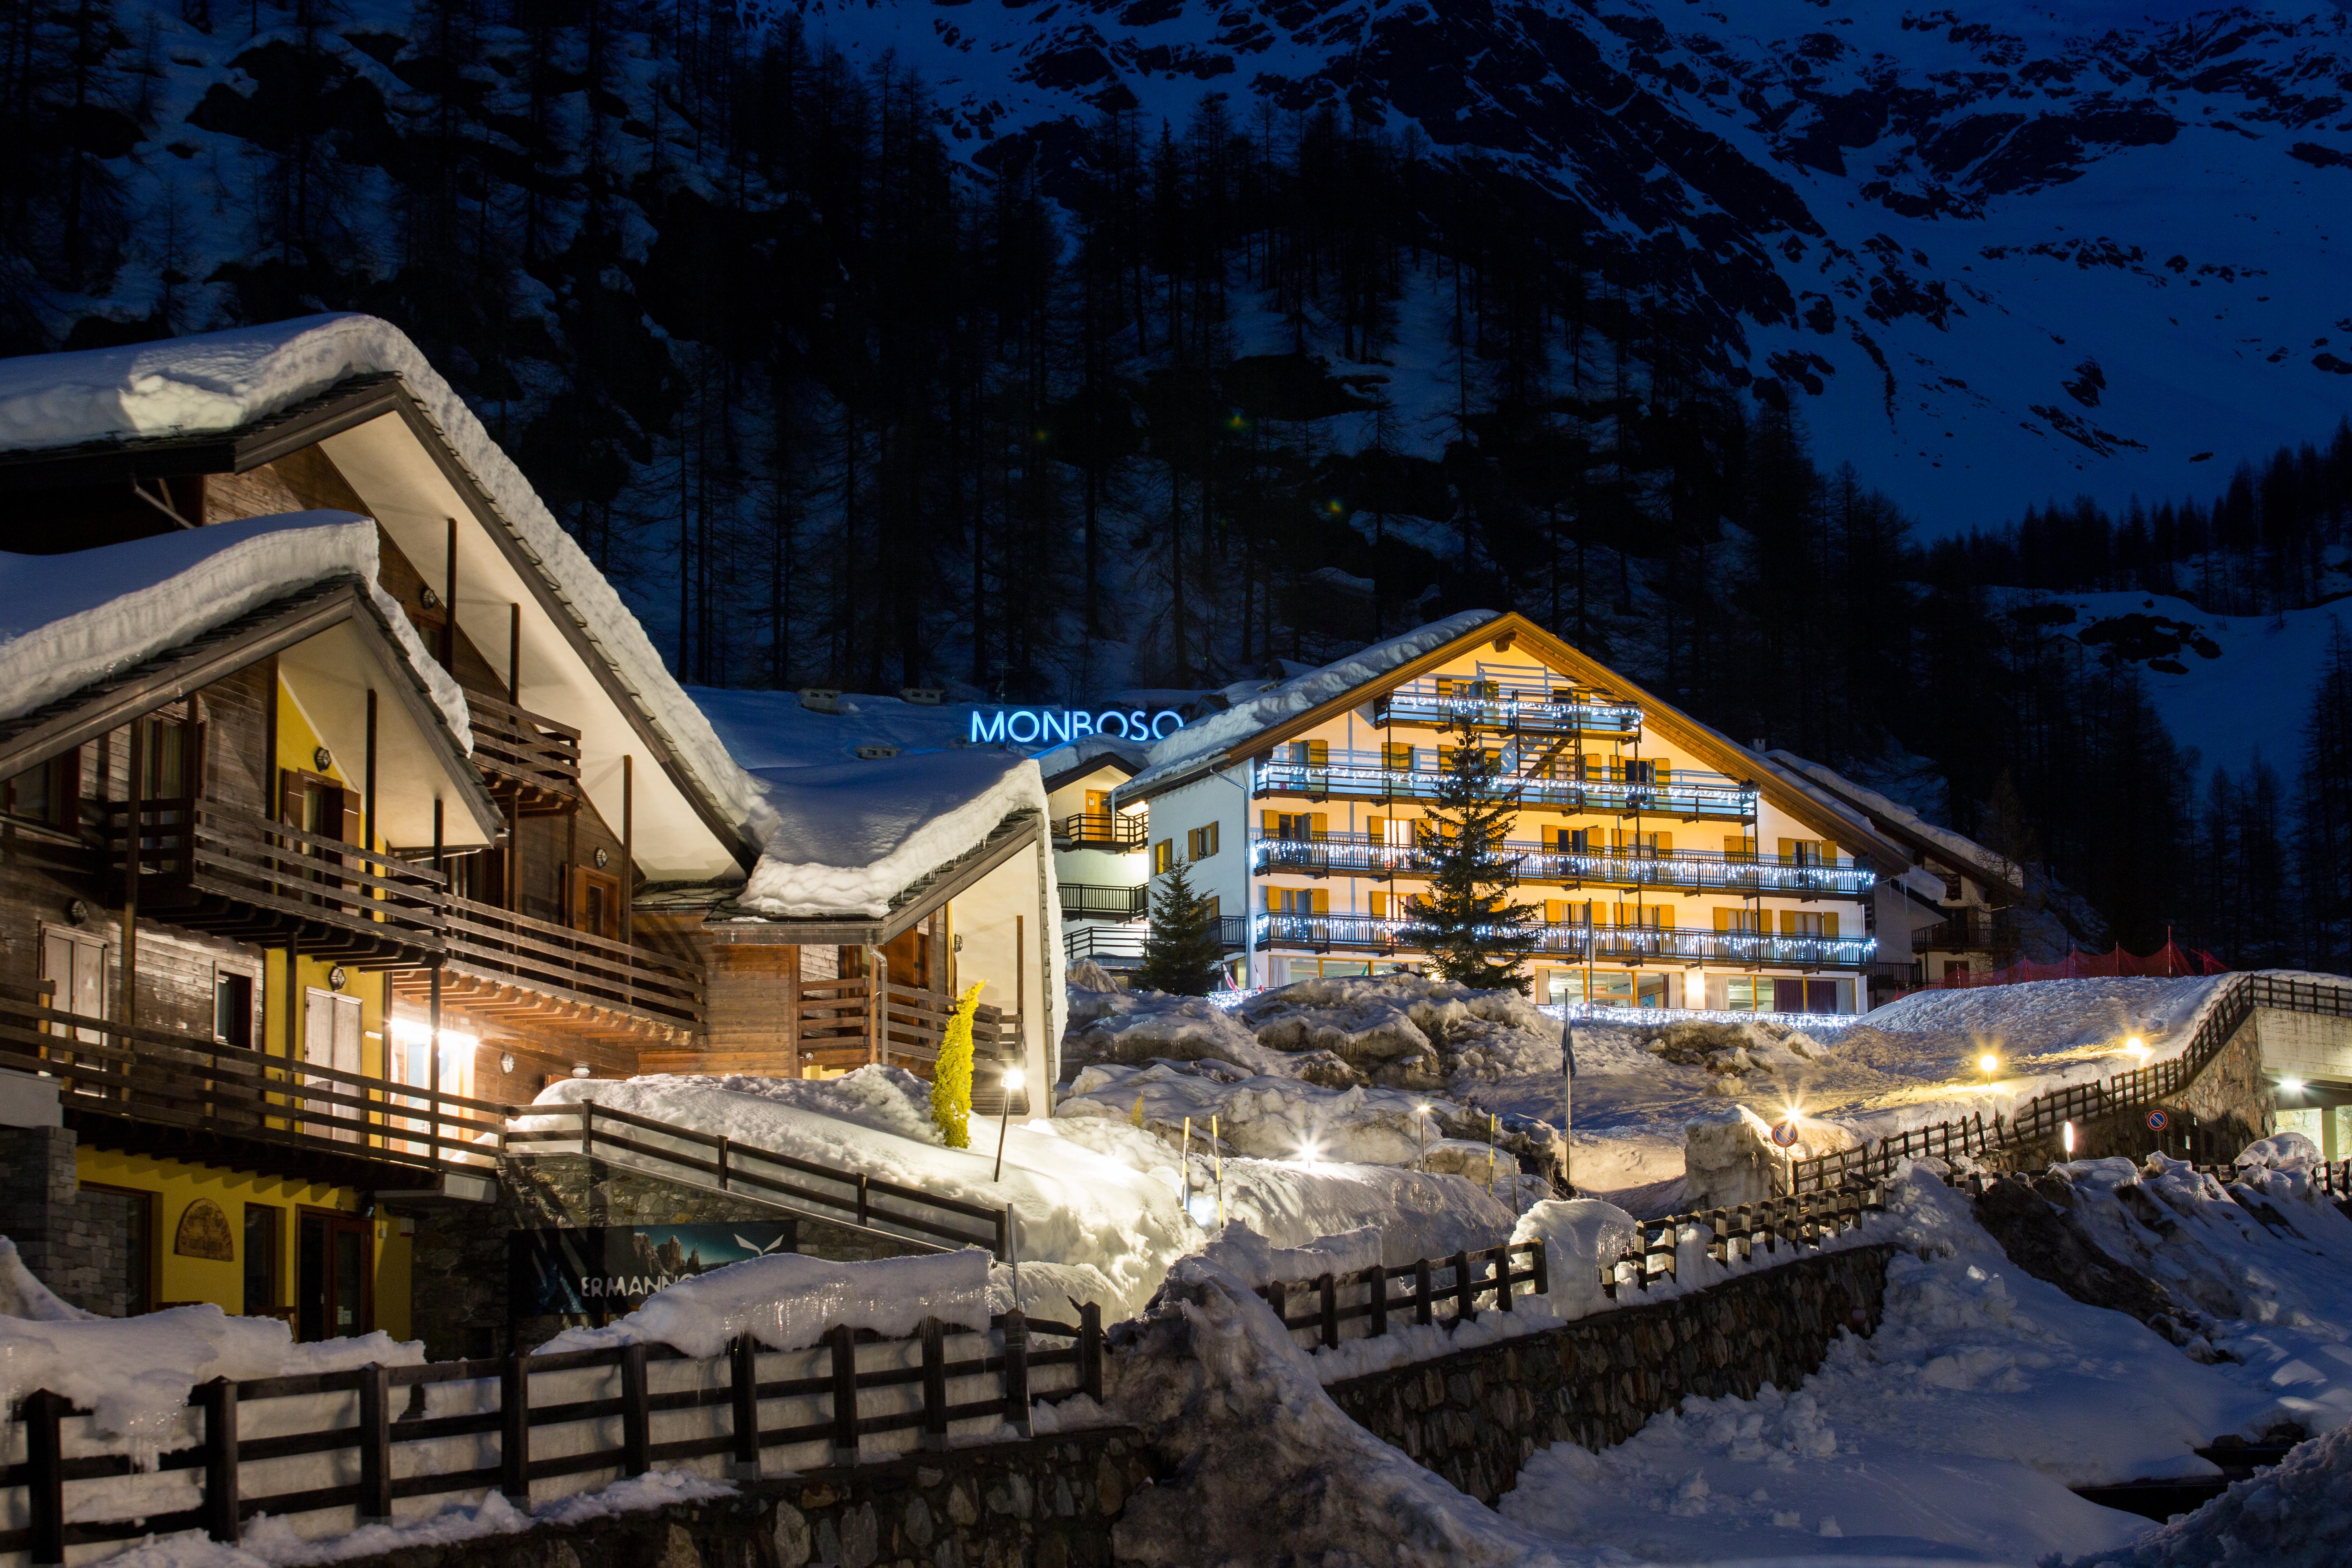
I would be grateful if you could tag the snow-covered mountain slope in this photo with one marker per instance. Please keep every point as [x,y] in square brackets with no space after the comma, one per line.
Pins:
[2002,251]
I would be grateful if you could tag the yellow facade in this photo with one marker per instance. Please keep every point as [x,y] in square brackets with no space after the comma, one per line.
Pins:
[176,1184]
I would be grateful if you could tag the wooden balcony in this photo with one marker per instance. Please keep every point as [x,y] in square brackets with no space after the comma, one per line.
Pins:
[1100,830]
[531,762]
[240,875]
[168,1093]
[511,966]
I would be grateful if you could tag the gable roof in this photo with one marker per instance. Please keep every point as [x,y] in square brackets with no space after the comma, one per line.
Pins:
[1927,841]
[1299,705]
[230,401]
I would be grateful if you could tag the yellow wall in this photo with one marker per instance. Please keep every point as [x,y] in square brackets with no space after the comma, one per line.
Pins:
[177,1184]
[298,746]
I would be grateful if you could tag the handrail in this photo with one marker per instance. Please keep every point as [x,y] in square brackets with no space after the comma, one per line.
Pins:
[504,944]
[2045,1113]
[1107,900]
[1490,1272]
[1448,702]
[1578,941]
[1359,854]
[706,1407]
[1683,794]
[529,748]
[933,1222]
[1109,827]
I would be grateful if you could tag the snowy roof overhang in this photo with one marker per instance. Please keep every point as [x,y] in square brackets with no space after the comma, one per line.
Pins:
[1301,704]
[229,402]
[1922,839]
[92,641]
[861,851]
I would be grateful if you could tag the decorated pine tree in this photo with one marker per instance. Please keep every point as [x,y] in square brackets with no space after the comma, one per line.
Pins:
[1182,954]
[1465,921]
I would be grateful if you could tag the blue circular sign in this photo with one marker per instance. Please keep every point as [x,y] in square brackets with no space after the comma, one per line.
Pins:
[2157,1121]
[1785,1134]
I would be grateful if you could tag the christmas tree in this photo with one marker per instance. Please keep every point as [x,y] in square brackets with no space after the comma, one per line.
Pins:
[1473,933]
[1183,955]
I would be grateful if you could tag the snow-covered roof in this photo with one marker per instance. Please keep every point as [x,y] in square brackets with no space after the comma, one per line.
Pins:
[1288,699]
[1064,763]
[217,382]
[1842,793]
[69,621]
[850,837]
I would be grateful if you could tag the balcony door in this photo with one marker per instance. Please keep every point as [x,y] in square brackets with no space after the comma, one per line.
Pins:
[316,804]
[330,1038]
[336,1267]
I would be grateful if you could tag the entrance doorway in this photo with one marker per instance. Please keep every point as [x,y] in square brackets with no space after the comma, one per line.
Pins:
[335,1296]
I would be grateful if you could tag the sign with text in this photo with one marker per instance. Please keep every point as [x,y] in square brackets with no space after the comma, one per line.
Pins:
[611,1269]
[1057,726]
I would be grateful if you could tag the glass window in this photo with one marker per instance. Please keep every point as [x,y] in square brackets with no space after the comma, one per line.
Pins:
[262,1245]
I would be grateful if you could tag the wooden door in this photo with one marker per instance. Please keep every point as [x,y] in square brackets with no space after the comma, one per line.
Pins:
[335,1294]
[595,903]
[330,1038]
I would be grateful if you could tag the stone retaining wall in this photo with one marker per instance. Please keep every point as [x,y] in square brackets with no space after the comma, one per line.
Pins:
[1046,1503]
[1475,1417]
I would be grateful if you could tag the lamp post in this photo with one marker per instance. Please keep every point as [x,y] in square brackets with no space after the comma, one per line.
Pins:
[1012,1083]
[1566,1101]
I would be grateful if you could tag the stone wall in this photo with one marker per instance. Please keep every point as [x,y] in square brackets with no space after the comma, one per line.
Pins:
[1475,1417]
[2226,1107]
[81,1245]
[1048,1503]
[458,1276]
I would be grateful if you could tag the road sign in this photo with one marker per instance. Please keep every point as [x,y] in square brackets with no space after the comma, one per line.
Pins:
[1785,1134]
[2157,1121]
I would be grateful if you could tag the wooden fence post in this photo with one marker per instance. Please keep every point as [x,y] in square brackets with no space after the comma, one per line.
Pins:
[861,1197]
[636,1421]
[1376,1281]
[1327,1289]
[375,1445]
[1016,1371]
[1465,1309]
[45,1488]
[935,1385]
[743,1394]
[221,1511]
[1543,1268]
[845,1393]
[514,1431]
[1424,1298]
[1503,1279]
[587,1128]
[1090,1349]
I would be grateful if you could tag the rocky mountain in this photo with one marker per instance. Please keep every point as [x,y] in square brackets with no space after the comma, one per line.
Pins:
[1999,251]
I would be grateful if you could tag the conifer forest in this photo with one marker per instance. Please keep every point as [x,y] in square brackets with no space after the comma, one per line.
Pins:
[1124,407]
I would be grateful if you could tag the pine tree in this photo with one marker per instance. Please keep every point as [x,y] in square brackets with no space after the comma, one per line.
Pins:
[1182,954]
[1466,923]
[951,1077]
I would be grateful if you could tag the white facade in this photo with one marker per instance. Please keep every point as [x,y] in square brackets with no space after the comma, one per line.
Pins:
[1660,880]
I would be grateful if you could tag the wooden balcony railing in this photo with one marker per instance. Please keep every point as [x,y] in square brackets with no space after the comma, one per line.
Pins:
[238,873]
[104,1068]
[1100,830]
[537,758]
[1097,901]
[572,966]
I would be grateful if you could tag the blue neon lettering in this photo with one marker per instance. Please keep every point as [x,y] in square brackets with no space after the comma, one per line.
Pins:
[1082,724]
[1102,725]
[1012,725]
[1170,713]
[987,727]
[1053,723]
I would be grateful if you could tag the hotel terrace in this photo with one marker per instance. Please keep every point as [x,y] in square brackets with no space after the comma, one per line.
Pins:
[1671,867]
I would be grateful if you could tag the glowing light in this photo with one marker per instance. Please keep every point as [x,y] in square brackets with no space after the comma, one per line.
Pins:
[2136,1046]
[409,1031]
[1311,1151]
[1988,1064]
[1423,1108]
[2067,1136]
[1014,1080]
[1202,1207]
[2290,1086]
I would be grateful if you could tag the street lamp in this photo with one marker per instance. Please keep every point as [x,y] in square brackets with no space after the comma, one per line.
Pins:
[1421,1120]
[1988,1064]
[1012,1083]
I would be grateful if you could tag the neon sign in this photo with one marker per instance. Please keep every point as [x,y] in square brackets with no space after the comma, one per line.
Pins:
[1031,726]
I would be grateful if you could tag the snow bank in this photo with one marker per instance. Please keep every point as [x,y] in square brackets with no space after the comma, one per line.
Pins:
[220,381]
[1087,1192]
[23,1295]
[1579,1235]
[1256,1262]
[2296,1514]
[849,837]
[1288,699]
[789,1300]
[885,1099]
[68,620]
[1107,1025]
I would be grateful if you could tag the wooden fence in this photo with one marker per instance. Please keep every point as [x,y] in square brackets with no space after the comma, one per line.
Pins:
[395,1433]
[1734,1234]
[728,1165]
[2042,1116]
[1443,1289]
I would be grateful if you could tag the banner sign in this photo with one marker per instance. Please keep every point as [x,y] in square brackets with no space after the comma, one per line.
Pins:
[612,1269]
[1055,726]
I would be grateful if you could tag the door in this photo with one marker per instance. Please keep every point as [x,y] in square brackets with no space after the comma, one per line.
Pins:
[336,1290]
[330,1038]
[596,902]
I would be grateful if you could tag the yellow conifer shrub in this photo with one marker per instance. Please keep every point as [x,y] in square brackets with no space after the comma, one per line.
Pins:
[951,1078]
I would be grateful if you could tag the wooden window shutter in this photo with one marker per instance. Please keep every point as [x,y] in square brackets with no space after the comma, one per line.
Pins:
[1666,843]
[1722,918]
[1829,925]
[354,818]
[1555,911]
[1788,852]
[1376,828]
[1661,917]
[1319,754]
[1377,904]
[1788,922]
[1319,825]
[1265,825]
[1322,900]
[1272,903]
[1660,771]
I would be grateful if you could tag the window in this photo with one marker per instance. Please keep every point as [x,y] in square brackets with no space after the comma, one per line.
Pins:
[1163,857]
[1803,923]
[1575,840]
[233,1008]
[1397,832]
[1396,757]
[1311,753]
[1209,904]
[1646,917]
[1642,844]
[1639,771]
[75,967]
[1806,852]
[264,1240]
[1744,922]
[1297,901]
[1201,843]
[48,793]
[1736,848]
[1746,993]
[1298,827]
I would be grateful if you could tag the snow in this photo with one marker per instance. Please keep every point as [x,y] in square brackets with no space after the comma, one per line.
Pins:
[1090,1194]
[1966,853]
[66,621]
[789,1300]
[1288,699]
[774,729]
[849,837]
[221,381]
[2296,1514]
